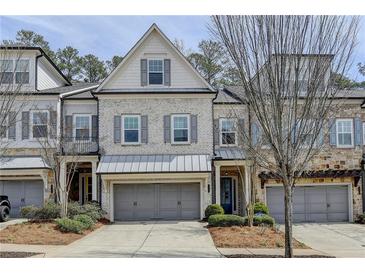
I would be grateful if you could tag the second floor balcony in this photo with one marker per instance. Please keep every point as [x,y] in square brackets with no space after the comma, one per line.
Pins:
[74,145]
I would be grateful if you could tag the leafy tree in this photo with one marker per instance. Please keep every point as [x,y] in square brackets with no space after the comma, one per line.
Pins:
[69,62]
[113,63]
[361,68]
[92,69]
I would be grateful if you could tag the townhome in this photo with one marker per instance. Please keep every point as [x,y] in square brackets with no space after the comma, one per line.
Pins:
[155,141]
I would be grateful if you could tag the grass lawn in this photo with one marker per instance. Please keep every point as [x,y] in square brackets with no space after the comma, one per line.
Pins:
[249,237]
[39,233]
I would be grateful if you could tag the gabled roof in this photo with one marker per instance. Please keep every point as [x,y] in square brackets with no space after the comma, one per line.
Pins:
[228,95]
[154,27]
[21,47]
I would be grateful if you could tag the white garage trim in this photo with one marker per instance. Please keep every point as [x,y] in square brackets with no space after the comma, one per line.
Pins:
[202,179]
[349,192]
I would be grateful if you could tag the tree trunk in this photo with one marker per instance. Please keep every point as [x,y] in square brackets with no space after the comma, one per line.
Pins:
[64,203]
[288,221]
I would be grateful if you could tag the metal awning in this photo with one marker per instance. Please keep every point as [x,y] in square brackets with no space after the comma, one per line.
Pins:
[166,163]
[229,153]
[22,162]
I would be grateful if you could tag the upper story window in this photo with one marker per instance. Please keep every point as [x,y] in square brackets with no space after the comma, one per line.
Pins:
[82,130]
[22,72]
[180,128]
[3,128]
[155,72]
[6,71]
[40,124]
[131,125]
[227,132]
[18,67]
[345,132]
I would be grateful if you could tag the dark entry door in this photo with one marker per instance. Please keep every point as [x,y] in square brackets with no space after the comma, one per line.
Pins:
[226,195]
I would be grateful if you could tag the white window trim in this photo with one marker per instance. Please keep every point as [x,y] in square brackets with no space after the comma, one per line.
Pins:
[363,133]
[352,133]
[139,129]
[173,129]
[221,132]
[31,124]
[148,72]
[74,125]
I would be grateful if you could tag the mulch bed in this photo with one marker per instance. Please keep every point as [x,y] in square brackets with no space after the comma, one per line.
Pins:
[17,254]
[40,233]
[249,237]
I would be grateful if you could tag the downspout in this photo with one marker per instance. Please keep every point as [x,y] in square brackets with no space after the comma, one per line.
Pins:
[212,183]
[363,181]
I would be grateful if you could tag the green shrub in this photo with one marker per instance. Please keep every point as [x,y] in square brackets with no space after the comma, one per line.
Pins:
[261,208]
[226,220]
[49,211]
[361,219]
[28,211]
[213,209]
[92,209]
[73,209]
[70,225]
[261,220]
[85,219]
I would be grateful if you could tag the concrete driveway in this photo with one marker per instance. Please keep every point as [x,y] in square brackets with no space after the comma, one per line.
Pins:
[144,239]
[336,239]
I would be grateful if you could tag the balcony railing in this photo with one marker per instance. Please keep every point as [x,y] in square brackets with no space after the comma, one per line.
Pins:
[74,145]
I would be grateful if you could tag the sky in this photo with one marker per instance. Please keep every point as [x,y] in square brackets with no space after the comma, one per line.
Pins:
[106,36]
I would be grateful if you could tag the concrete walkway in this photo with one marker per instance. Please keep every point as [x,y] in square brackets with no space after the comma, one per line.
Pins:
[143,239]
[344,240]
[269,252]
[12,222]
[43,249]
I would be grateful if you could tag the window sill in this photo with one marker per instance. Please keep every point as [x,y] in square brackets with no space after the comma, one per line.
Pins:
[180,144]
[233,145]
[352,146]
[131,144]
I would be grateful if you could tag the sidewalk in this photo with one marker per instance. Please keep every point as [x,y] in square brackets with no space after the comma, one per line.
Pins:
[44,249]
[268,252]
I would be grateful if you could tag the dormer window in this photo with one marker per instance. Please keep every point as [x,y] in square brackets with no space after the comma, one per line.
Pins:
[155,72]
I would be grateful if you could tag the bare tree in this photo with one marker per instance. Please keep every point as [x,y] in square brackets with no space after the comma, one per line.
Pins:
[13,73]
[285,64]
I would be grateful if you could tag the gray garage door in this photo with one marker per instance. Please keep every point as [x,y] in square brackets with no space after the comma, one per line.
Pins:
[311,203]
[156,201]
[22,193]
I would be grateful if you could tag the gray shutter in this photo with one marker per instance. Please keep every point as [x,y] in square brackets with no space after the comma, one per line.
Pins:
[117,129]
[25,125]
[12,125]
[68,128]
[255,130]
[53,123]
[94,128]
[240,131]
[320,138]
[167,128]
[144,129]
[216,132]
[167,72]
[358,132]
[332,131]
[143,72]
[194,128]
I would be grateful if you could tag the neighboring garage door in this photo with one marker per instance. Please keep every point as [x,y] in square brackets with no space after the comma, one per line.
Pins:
[311,203]
[22,193]
[156,201]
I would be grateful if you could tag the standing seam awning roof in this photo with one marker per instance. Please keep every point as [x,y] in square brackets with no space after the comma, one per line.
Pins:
[229,153]
[165,163]
[22,162]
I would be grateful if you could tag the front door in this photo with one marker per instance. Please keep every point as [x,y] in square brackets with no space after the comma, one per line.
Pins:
[226,195]
[86,188]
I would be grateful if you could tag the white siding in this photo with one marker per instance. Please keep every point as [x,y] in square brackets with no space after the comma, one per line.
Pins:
[47,78]
[129,75]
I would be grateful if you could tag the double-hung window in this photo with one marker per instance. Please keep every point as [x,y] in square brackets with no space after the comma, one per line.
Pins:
[227,132]
[131,125]
[82,129]
[6,72]
[155,72]
[22,72]
[345,132]
[40,124]
[3,128]
[180,128]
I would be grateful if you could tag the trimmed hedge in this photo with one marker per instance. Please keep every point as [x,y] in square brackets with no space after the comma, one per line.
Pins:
[49,211]
[261,220]
[261,208]
[213,209]
[226,220]
[85,219]
[70,225]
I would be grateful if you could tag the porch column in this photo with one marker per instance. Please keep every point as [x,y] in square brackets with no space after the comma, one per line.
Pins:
[94,184]
[247,183]
[217,183]
[63,180]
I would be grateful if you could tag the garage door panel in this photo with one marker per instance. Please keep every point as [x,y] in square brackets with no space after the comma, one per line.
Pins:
[33,193]
[168,201]
[123,205]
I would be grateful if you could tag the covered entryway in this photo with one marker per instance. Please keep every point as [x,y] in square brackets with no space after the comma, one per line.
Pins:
[166,201]
[324,203]
[22,193]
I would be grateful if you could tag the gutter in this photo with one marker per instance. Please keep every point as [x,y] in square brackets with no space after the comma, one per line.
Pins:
[63,95]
